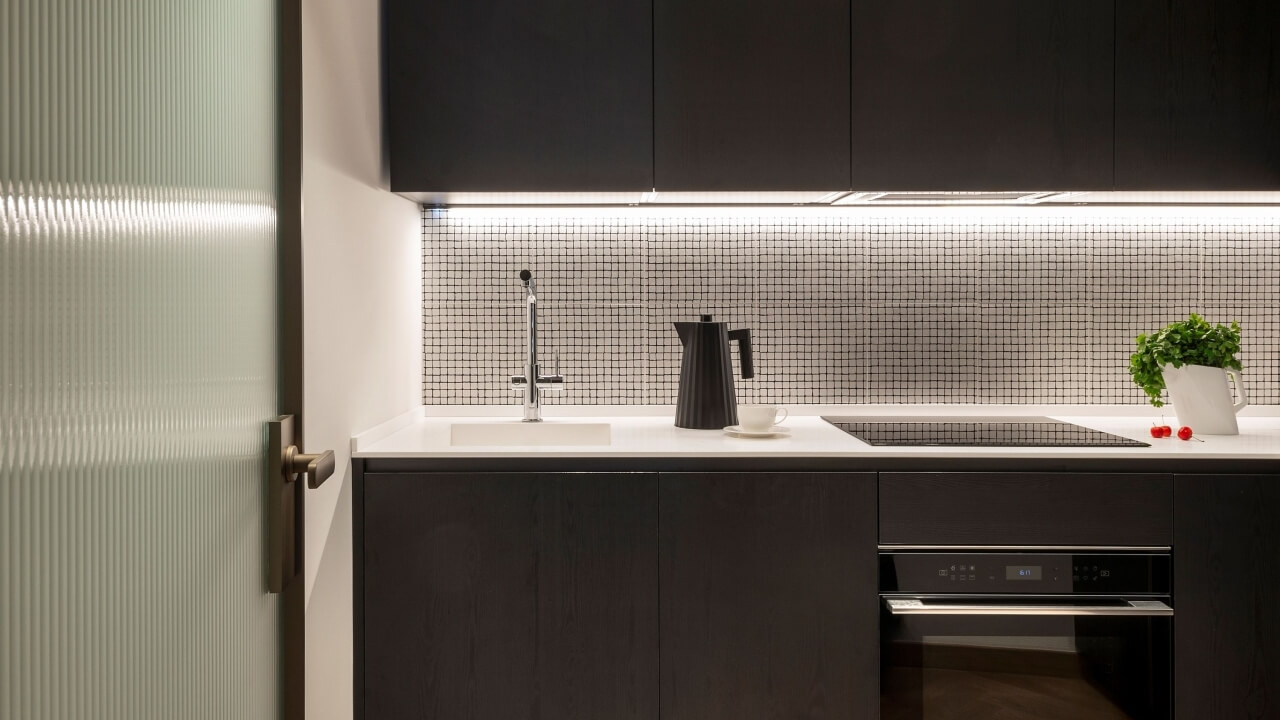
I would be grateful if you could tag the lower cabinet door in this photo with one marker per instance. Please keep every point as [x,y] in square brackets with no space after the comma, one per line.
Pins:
[500,596]
[1226,592]
[768,596]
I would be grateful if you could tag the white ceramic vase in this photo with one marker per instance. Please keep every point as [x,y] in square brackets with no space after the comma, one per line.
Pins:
[1202,400]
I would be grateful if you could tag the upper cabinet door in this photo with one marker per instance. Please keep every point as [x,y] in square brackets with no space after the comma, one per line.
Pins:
[1198,95]
[751,94]
[515,95]
[982,94]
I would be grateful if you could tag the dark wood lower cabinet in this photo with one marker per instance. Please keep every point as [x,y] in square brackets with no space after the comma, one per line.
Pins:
[731,596]
[1226,584]
[768,596]
[498,596]
[1026,508]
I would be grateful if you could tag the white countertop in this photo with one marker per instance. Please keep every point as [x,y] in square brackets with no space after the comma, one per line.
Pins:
[650,432]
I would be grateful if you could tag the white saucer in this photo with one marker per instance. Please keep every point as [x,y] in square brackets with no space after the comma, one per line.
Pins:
[775,431]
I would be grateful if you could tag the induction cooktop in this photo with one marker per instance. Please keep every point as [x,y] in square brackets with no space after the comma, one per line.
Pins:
[977,432]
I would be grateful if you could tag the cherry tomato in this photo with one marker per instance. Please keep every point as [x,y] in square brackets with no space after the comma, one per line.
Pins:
[1184,433]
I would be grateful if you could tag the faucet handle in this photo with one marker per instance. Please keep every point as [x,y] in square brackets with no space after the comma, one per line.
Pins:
[519,382]
[551,384]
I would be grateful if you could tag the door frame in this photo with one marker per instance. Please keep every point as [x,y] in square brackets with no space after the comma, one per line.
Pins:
[290,331]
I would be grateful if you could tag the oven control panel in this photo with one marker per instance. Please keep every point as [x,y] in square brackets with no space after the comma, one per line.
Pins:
[965,575]
[1023,573]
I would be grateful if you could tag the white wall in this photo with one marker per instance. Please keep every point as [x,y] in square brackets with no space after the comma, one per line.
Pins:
[363,310]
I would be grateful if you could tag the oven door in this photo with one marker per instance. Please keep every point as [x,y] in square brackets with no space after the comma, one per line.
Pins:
[1025,658]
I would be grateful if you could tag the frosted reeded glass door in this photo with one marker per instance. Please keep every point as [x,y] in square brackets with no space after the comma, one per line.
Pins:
[138,359]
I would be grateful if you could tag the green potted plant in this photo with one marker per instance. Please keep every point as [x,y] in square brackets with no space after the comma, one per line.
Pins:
[1191,360]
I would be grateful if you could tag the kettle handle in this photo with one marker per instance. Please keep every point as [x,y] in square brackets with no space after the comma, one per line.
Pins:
[743,336]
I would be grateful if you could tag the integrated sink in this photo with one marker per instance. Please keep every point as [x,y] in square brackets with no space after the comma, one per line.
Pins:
[515,432]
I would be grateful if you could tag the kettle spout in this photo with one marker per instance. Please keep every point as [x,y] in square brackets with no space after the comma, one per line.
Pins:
[685,331]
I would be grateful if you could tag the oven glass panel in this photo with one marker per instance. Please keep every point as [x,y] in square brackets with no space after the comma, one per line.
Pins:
[1015,668]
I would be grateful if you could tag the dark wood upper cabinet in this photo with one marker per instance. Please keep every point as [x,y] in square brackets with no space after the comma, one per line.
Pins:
[768,596]
[1198,95]
[982,94]
[489,596]
[519,95]
[910,95]
[751,95]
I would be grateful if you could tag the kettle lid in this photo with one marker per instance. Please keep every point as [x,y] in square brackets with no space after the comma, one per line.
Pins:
[703,319]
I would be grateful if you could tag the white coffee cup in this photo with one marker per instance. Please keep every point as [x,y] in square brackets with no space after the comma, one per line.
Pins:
[760,418]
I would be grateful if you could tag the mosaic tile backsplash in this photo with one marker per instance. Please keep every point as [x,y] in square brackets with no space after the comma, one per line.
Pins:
[843,308]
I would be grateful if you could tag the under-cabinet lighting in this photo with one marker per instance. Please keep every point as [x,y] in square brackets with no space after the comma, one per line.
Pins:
[754,200]
[802,197]
[1153,215]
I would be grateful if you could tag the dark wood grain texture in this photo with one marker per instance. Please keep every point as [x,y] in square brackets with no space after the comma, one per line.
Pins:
[1026,509]
[768,596]
[1198,95]
[497,596]
[1226,574]
[982,95]
[357,587]
[751,95]
[517,95]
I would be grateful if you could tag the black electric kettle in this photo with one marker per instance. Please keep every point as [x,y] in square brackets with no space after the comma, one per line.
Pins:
[707,400]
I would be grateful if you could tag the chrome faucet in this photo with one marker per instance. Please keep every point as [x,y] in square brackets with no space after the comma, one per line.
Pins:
[533,383]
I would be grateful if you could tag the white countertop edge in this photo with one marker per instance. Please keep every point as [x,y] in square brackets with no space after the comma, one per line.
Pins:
[654,436]
[796,409]
[913,453]
[385,430]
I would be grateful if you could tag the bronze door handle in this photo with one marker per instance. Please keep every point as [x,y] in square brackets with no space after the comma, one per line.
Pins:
[317,468]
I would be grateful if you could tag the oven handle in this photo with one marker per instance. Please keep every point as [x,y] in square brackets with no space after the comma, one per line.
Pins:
[1132,608]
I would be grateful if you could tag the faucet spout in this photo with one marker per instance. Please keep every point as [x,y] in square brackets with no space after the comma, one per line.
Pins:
[533,382]
[532,397]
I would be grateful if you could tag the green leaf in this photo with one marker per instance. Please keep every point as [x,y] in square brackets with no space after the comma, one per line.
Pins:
[1192,341]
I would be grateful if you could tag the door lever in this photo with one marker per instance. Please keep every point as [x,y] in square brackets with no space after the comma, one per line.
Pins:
[285,500]
[317,468]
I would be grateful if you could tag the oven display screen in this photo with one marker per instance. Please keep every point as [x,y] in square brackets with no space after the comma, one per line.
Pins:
[1022,572]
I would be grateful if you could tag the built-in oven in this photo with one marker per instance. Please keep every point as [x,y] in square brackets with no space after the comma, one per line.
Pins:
[1025,635]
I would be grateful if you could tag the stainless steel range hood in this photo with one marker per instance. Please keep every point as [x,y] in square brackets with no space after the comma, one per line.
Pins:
[953,198]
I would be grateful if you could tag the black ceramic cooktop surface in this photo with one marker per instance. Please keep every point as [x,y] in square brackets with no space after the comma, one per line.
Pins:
[977,432]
